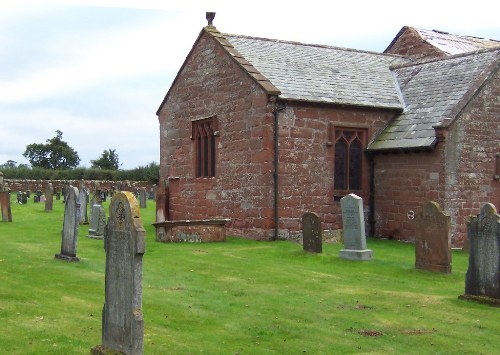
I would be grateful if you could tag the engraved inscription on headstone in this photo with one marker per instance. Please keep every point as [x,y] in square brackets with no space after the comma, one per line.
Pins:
[312,237]
[70,226]
[124,243]
[354,229]
[483,273]
[433,239]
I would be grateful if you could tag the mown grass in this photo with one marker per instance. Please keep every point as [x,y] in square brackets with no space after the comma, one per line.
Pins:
[240,296]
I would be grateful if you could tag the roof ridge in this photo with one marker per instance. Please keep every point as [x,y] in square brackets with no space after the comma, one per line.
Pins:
[450,57]
[315,45]
[457,35]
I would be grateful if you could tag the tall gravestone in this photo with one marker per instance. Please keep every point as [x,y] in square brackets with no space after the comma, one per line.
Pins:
[483,274]
[83,200]
[5,201]
[142,197]
[433,239]
[49,198]
[312,234]
[124,243]
[353,222]
[70,226]
[97,222]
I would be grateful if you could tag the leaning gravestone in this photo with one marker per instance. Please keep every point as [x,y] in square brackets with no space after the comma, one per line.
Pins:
[70,226]
[433,239]
[312,238]
[124,243]
[354,229]
[483,274]
[97,222]
[49,198]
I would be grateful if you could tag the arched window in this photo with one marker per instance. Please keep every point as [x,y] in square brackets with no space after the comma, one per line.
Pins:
[204,141]
[348,159]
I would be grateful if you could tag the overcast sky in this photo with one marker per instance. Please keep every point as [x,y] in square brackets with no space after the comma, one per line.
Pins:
[97,70]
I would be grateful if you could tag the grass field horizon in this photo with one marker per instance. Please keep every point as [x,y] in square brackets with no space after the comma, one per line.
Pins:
[240,296]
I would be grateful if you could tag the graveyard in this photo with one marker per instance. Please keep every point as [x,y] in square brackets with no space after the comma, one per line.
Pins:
[238,296]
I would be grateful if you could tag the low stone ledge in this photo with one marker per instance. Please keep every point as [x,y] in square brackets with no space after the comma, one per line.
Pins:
[191,231]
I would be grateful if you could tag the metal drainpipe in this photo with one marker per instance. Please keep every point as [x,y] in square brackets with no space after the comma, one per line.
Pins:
[276,111]
[371,217]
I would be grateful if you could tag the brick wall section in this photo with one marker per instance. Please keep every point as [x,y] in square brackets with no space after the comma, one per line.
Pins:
[411,44]
[306,162]
[472,143]
[211,83]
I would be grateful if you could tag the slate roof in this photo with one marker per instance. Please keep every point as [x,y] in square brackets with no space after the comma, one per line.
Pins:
[325,74]
[451,44]
[432,92]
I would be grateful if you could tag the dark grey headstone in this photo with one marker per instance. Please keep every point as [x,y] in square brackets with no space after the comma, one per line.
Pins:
[312,234]
[353,222]
[483,274]
[83,200]
[49,198]
[433,239]
[97,222]
[124,243]
[142,197]
[24,198]
[70,226]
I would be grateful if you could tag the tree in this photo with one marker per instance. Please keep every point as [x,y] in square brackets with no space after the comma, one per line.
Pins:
[10,164]
[108,160]
[56,154]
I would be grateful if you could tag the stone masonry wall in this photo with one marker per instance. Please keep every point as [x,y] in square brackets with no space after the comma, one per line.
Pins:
[211,84]
[411,44]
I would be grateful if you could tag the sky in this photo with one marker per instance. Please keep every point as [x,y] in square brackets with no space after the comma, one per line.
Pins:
[97,70]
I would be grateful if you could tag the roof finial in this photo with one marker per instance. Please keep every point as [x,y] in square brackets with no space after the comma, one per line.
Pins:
[210,17]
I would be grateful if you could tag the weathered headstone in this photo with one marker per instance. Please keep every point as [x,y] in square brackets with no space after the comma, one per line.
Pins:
[65,191]
[24,198]
[483,274]
[83,201]
[152,192]
[97,222]
[142,197]
[70,226]
[124,243]
[433,239]
[49,198]
[58,196]
[162,210]
[312,234]
[5,206]
[354,229]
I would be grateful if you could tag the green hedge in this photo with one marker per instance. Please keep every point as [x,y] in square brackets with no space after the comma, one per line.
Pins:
[149,172]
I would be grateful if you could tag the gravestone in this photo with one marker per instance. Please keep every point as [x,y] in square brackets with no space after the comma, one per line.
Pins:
[312,234]
[5,206]
[354,229]
[83,201]
[433,239]
[152,192]
[70,226]
[97,222]
[24,198]
[58,196]
[483,273]
[124,243]
[49,197]
[142,197]
[65,191]
[36,198]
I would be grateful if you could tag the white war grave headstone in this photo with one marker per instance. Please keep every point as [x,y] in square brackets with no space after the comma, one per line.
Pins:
[353,222]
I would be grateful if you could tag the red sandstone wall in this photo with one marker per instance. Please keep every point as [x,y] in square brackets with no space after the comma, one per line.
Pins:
[473,141]
[458,174]
[412,45]
[404,182]
[307,162]
[209,84]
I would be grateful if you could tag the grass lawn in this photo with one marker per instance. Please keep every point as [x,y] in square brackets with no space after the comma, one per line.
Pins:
[240,296]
